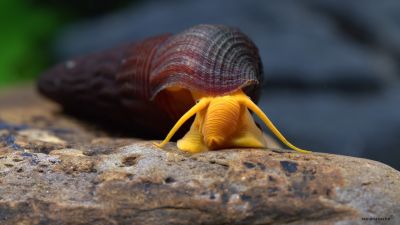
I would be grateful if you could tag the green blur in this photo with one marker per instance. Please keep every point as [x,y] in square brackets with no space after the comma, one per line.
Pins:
[26,32]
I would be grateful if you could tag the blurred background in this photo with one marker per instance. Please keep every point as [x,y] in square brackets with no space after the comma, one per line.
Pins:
[332,68]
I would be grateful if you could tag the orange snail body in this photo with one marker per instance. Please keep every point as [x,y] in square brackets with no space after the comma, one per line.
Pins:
[150,85]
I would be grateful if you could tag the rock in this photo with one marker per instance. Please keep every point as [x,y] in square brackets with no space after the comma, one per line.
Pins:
[77,174]
[370,24]
[84,8]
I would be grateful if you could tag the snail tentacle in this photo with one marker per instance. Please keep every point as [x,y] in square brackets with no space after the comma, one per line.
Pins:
[253,107]
[203,103]
[193,140]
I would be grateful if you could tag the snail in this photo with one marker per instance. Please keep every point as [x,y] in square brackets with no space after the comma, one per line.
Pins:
[210,72]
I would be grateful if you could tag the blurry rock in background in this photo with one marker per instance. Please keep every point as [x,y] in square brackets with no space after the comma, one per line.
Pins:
[331,68]
[84,8]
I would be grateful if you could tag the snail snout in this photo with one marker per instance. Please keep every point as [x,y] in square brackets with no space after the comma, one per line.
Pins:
[221,120]
[214,142]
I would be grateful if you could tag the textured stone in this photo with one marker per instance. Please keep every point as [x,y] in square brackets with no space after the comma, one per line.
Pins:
[57,170]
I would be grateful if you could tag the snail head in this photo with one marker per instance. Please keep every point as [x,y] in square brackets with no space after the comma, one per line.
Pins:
[224,122]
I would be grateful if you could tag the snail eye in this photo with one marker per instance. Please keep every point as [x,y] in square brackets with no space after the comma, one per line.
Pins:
[197,101]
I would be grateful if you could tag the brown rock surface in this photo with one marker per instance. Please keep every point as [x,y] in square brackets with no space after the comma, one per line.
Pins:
[57,170]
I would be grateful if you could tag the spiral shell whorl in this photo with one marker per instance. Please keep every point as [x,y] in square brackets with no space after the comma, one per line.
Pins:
[123,86]
[212,59]
[136,67]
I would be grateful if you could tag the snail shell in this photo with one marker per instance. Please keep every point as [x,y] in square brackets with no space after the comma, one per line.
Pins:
[146,86]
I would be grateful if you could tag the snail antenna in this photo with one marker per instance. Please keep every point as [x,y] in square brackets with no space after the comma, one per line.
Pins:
[253,107]
[203,103]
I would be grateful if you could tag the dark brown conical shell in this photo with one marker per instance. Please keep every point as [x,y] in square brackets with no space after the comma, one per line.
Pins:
[124,85]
